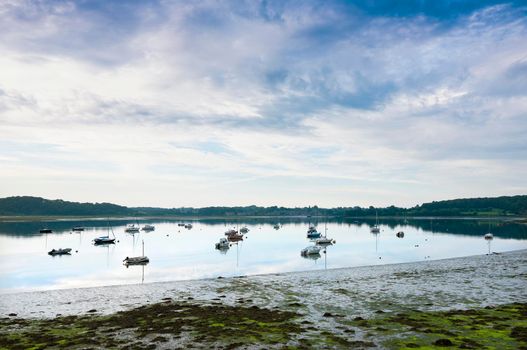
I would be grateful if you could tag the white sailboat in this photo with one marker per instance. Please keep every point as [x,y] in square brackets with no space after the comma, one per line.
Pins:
[375,228]
[137,260]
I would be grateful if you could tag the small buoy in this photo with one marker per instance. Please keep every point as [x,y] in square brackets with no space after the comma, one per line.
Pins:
[76,251]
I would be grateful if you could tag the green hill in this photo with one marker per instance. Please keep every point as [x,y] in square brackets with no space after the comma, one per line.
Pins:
[36,206]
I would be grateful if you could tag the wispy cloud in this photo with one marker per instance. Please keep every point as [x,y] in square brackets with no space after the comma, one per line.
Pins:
[344,102]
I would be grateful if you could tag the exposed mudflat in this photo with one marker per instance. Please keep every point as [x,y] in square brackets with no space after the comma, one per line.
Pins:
[392,306]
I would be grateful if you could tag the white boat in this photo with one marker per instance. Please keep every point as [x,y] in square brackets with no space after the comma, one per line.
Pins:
[148,227]
[375,228]
[324,241]
[244,229]
[60,251]
[489,236]
[137,260]
[105,239]
[131,228]
[310,250]
[223,244]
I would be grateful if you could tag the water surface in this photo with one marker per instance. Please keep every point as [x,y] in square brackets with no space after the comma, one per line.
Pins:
[177,253]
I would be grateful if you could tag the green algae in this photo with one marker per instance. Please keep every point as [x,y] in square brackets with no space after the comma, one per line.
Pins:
[488,328]
[183,324]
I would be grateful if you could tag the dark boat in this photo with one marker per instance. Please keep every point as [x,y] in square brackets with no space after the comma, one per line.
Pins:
[78,229]
[45,230]
[60,251]
[105,239]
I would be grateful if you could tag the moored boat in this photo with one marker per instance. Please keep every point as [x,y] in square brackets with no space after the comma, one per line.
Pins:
[223,244]
[148,227]
[46,230]
[60,251]
[137,260]
[131,228]
[310,250]
[78,229]
[105,239]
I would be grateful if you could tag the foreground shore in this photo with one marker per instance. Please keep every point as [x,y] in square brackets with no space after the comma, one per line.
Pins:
[472,302]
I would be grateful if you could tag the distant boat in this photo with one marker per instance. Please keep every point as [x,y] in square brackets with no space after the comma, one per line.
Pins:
[324,241]
[310,250]
[230,232]
[148,227]
[489,236]
[312,232]
[131,228]
[60,251]
[105,239]
[188,226]
[45,230]
[375,228]
[400,234]
[223,244]
[181,224]
[235,237]
[78,228]
[276,226]
[137,260]
[244,229]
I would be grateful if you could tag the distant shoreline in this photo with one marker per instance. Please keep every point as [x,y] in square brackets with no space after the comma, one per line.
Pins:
[15,218]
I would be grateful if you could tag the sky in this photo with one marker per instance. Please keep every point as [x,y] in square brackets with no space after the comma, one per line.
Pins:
[289,103]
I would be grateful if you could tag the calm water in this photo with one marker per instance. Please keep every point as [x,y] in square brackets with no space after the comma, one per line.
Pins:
[177,253]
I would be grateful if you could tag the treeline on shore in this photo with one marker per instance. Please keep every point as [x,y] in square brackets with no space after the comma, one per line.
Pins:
[496,206]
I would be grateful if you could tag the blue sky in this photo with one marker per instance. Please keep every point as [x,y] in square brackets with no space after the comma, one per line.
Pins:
[334,103]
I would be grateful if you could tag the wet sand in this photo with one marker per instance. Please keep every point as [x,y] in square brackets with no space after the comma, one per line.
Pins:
[392,306]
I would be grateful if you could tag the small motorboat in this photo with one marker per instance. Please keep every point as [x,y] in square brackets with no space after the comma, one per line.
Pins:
[188,226]
[400,234]
[60,251]
[181,224]
[311,229]
[489,236]
[375,229]
[311,250]
[223,244]
[148,227]
[276,227]
[131,228]
[78,229]
[46,230]
[313,234]
[244,229]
